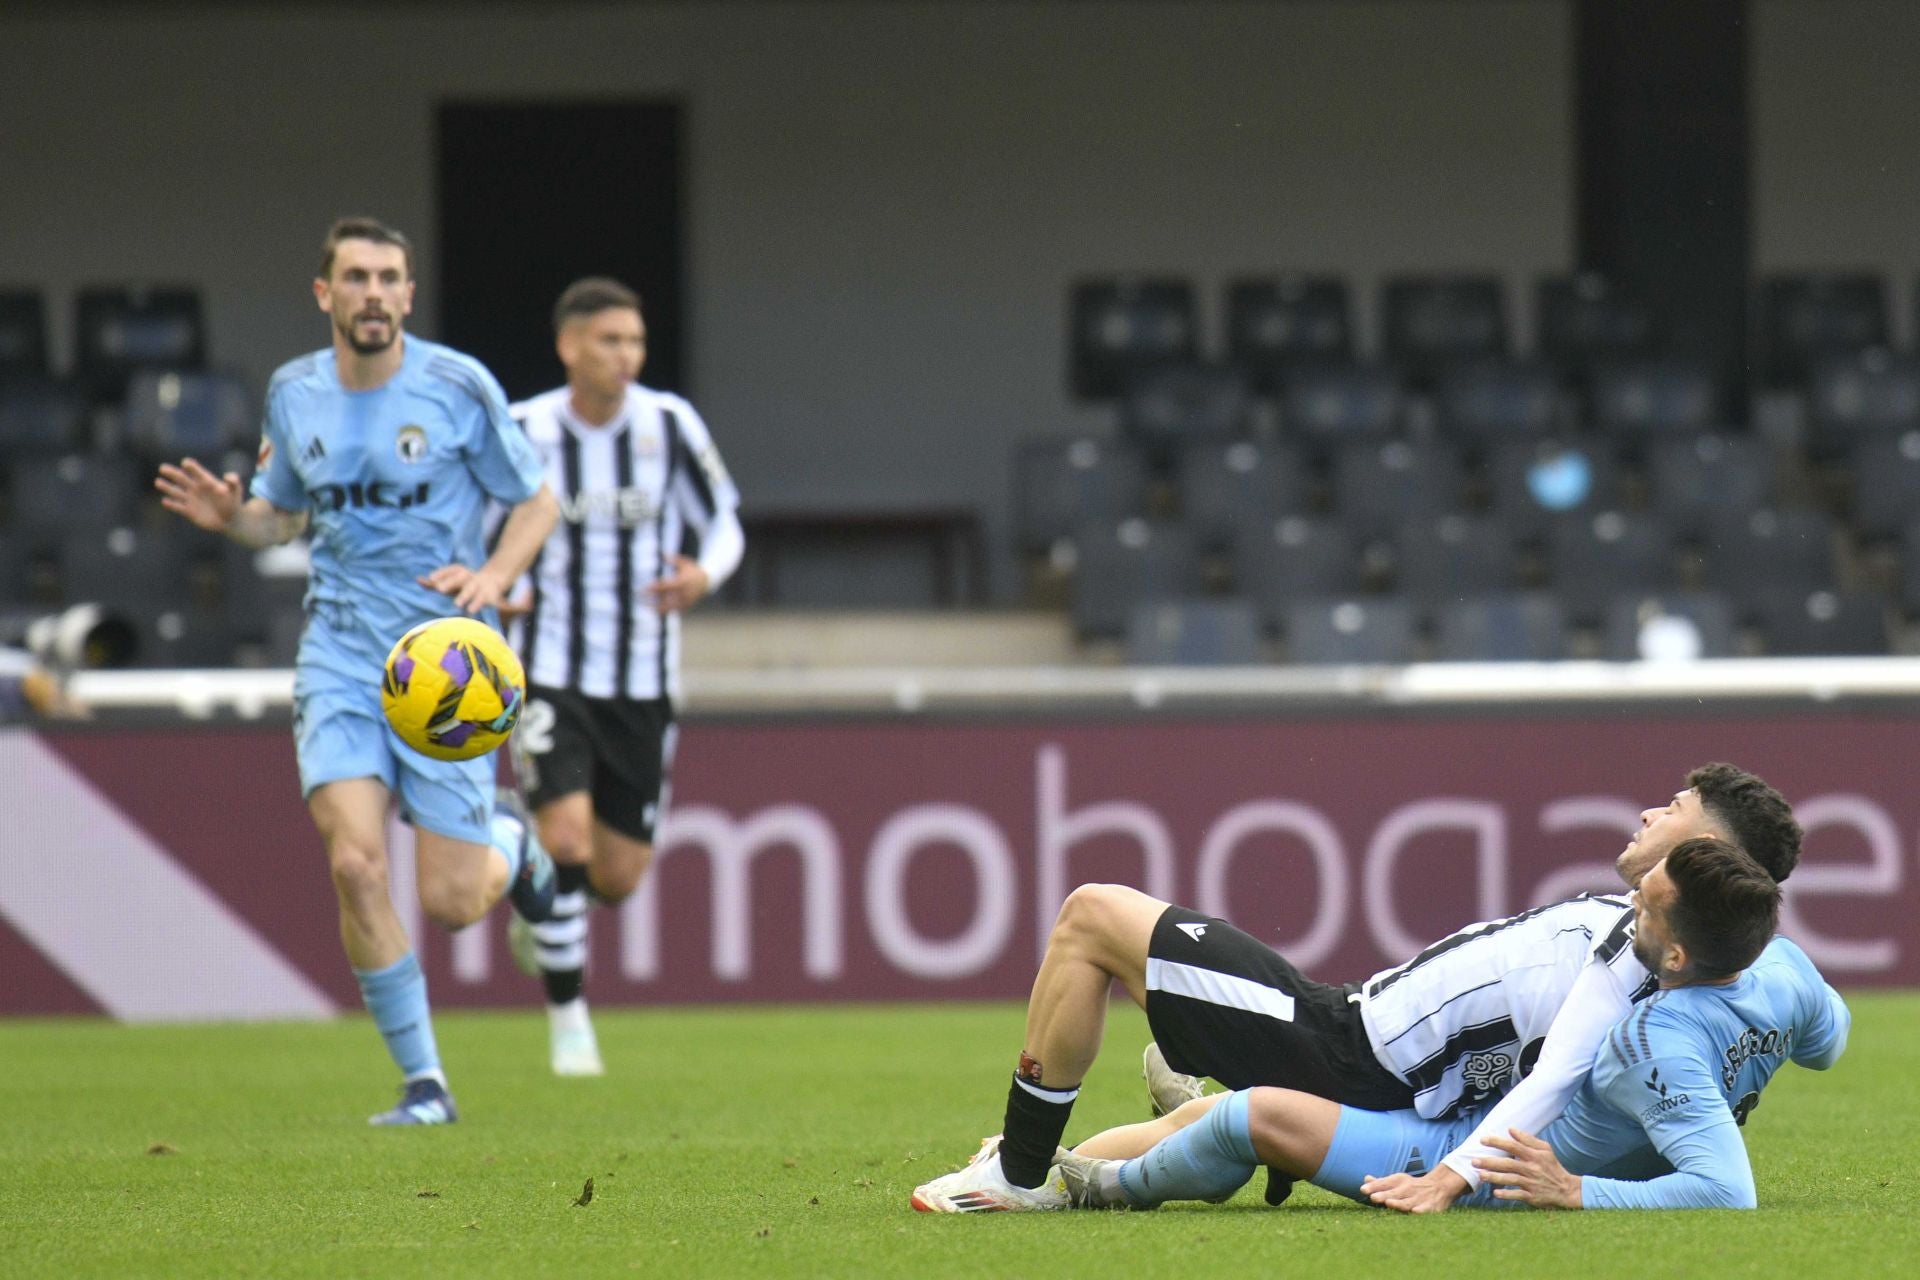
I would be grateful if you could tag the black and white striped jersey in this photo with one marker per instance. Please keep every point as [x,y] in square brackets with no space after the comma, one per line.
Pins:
[628,491]
[1462,1021]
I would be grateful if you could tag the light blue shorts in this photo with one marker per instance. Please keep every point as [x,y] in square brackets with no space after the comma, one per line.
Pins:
[340,734]
[1377,1143]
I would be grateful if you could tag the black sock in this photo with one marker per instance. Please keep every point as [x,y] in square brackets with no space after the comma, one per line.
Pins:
[1032,1130]
[562,937]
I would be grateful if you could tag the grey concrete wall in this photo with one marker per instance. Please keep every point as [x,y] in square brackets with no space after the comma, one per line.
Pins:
[1836,131]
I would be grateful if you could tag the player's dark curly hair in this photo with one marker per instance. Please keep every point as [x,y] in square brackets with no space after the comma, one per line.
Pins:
[1757,817]
[362,228]
[1727,908]
[591,296]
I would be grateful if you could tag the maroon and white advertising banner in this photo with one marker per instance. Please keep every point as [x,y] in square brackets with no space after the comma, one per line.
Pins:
[173,874]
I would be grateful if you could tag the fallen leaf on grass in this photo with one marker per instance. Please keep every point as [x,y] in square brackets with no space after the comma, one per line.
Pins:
[474,1225]
[586,1196]
[863,1182]
[163,1149]
[426,1193]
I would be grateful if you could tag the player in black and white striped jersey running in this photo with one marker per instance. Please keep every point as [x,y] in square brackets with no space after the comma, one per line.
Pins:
[634,470]
[1457,1025]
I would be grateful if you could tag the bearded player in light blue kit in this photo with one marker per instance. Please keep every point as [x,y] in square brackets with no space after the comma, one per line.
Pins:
[1656,1125]
[388,449]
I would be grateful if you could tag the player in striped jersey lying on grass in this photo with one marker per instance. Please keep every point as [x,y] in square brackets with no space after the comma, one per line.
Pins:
[1655,1126]
[1444,1034]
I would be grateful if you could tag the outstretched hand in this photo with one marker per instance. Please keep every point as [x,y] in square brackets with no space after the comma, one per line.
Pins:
[472,589]
[1530,1173]
[1431,1192]
[192,491]
[680,590]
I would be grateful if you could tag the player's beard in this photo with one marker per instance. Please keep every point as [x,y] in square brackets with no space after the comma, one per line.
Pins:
[1647,952]
[366,348]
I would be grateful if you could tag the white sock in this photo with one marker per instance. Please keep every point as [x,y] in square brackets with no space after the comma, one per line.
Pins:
[571,1016]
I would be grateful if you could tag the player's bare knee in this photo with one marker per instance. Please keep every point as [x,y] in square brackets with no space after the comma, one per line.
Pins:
[453,902]
[359,870]
[1102,920]
[615,881]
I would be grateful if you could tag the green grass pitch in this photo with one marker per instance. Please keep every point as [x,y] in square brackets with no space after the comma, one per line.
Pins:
[772,1142]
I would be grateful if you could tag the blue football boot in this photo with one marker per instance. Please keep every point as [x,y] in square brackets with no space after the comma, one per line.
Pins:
[421,1102]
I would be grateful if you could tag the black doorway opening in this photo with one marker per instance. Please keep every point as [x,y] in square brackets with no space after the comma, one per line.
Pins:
[534,195]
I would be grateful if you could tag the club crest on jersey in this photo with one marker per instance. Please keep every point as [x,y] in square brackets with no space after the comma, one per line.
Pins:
[1486,1072]
[411,443]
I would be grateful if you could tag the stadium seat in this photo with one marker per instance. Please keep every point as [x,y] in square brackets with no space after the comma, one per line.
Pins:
[250,595]
[1454,557]
[1807,316]
[1590,559]
[1694,482]
[1910,569]
[1278,562]
[1223,487]
[23,333]
[1522,627]
[1669,626]
[1637,400]
[180,636]
[1121,325]
[39,414]
[121,566]
[1582,320]
[1164,408]
[1751,552]
[1531,484]
[1884,476]
[1118,566]
[1061,483]
[1378,487]
[1279,324]
[15,563]
[1356,629]
[1811,624]
[1492,402]
[1332,405]
[1198,633]
[117,331]
[1431,322]
[72,492]
[284,628]
[1859,397]
[175,415]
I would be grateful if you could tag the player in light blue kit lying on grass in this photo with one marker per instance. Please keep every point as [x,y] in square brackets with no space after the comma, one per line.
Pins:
[1656,1126]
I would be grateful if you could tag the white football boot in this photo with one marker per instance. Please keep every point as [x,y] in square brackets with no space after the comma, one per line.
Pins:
[573,1049]
[981,1187]
[1166,1088]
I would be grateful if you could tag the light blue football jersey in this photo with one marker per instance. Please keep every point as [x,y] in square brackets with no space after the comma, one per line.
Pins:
[1686,1068]
[396,482]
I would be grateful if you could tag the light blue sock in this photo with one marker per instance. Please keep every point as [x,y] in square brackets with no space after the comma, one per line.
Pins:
[1205,1161]
[396,996]
[504,833]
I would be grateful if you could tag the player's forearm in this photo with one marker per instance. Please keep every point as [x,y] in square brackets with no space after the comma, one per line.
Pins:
[722,544]
[1673,1191]
[523,534]
[1594,1004]
[1711,1171]
[258,523]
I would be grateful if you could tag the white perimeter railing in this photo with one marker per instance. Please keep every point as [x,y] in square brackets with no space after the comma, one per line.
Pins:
[252,694]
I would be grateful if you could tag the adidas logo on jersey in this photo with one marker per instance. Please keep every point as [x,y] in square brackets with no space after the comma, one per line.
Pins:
[314,451]
[1194,931]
